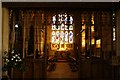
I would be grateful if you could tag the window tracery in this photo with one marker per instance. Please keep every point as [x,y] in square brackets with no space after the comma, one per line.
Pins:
[62,31]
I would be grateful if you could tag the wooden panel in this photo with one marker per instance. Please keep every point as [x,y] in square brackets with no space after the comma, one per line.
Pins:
[38,70]
[16,74]
[34,69]
[28,74]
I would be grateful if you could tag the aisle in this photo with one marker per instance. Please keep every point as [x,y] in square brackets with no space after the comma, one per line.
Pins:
[62,71]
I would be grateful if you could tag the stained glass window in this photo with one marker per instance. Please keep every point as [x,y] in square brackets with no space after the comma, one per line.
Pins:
[70,37]
[71,19]
[62,26]
[98,42]
[114,25]
[53,27]
[66,36]
[83,36]
[66,27]
[57,36]
[114,36]
[53,37]
[71,27]
[62,30]
[61,37]
[54,19]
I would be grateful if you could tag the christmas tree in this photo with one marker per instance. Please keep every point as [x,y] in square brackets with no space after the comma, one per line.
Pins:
[13,60]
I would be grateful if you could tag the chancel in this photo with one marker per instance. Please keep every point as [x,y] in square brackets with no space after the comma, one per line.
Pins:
[61,40]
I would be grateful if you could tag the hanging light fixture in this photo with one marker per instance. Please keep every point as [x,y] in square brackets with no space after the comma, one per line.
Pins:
[16,25]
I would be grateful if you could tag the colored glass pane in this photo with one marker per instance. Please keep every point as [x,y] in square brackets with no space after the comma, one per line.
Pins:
[54,19]
[53,39]
[65,18]
[57,36]
[66,36]
[62,26]
[61,37]
[70,40]
[53,27]
[66,27]
[70,34]
[71,19]
[71,27]
[53,33]
[58,27]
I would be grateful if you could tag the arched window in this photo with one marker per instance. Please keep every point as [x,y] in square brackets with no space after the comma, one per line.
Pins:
[62,32]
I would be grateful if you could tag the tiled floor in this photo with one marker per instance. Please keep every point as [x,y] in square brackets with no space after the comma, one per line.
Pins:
[62,70]
[95,70]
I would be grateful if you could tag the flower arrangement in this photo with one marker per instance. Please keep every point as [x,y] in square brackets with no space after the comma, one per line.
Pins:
[13,60]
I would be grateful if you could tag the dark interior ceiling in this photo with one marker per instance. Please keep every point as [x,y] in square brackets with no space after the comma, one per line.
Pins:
[62,5]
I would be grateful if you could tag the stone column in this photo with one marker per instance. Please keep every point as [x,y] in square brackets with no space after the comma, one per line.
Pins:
[117,68]
[5,30]
[0,39]
[118,33]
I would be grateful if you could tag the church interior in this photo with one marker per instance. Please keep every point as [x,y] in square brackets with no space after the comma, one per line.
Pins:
[74,41]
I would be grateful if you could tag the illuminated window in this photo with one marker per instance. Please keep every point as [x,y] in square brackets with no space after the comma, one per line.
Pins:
[98,42]
[86,35]
[92,20]
[66,36]
[114,36]
[83,36]
[53,37]
[62,31]
[93,41]
[114,25]
[70,37]
[92,28]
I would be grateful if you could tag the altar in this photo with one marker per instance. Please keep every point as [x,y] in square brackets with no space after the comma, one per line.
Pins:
[62,55]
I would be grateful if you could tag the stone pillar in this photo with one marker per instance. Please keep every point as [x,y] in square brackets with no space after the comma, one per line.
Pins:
[117,68]
[118,33]
[0,39]
[5,29]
